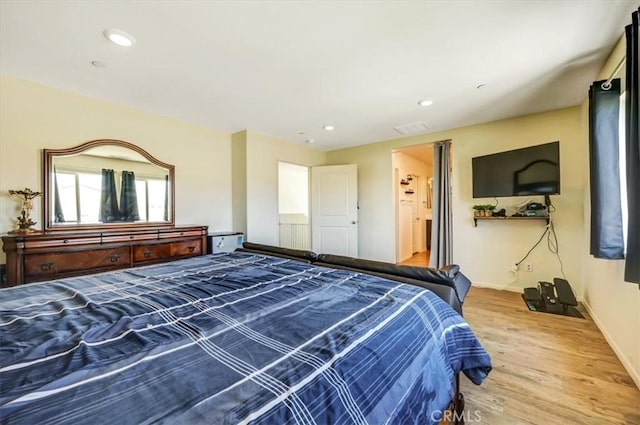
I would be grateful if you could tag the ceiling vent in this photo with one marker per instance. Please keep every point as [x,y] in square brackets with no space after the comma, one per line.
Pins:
[415,128]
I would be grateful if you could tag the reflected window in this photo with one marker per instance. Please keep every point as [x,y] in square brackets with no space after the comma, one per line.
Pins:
[90,186]
[80,196]
[67,190]
[152,199]
[157,190]
[141,192]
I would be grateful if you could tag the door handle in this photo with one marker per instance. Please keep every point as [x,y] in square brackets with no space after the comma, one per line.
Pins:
[353,222]
[191,248]
[114,258]
[147,254]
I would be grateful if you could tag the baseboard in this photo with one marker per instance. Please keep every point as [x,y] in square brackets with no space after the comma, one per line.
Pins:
[630,370]
[496,286]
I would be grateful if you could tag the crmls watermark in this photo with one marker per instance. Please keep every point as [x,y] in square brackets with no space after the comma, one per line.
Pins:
[466,416]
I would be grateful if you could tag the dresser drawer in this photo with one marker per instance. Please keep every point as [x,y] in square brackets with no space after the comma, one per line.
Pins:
[158,251]
[184,248]
[151,252]
[54,263]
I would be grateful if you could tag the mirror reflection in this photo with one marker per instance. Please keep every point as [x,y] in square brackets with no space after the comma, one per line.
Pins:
[108,184]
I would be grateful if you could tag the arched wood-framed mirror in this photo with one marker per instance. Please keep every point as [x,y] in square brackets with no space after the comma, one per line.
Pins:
[106,183]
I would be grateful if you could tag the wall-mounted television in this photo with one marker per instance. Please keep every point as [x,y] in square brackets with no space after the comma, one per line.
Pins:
[521,172]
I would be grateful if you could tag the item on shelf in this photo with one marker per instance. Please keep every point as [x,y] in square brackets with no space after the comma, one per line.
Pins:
[500,213]
[483,210]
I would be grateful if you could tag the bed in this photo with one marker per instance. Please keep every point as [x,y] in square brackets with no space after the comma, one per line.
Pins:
[240,337]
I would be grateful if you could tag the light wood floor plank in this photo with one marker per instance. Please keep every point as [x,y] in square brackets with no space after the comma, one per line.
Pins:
[547,369]
[420,259]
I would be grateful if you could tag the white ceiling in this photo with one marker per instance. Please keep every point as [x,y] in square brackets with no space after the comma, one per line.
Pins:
[285,67]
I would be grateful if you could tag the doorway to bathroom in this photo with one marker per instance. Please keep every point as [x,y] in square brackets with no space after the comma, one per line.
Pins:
[413,198]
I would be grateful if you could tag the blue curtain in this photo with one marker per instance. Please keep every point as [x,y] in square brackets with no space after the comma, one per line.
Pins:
[128,197]
[108,200]
[606,210]
[632,145]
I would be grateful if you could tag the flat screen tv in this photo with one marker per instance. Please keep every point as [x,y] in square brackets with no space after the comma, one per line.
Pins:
[521,172]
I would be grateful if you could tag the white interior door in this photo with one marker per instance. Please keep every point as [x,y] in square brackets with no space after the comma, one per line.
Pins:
[415,228]
[405,228]
[334,209]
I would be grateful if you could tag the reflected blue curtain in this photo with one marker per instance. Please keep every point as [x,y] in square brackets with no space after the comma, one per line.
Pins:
[57,205]
[166,198]
[108,198]
[632,145]
[128,197]
[604,171]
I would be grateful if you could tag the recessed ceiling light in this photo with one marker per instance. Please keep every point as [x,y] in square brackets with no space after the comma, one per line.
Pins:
[329,127]
[309,141]
[425,102]
[119,37]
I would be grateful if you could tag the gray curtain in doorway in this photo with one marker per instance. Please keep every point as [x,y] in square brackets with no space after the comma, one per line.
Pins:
[441,231]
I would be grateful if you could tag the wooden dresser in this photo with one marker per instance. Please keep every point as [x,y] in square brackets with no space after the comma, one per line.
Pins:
[39,256]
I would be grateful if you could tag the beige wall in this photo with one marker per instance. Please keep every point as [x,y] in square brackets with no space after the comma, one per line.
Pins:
[613,303]
[239,181]
[486,252]
[33,117]
[262,155]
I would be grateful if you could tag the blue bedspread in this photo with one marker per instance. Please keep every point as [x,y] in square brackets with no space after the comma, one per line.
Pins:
[230,338]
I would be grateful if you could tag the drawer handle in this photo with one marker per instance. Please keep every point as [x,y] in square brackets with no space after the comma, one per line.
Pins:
[191,248]
[46,266]
[114,258]
[147,254]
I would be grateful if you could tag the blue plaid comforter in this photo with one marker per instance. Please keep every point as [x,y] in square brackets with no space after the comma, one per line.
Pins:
[230,338]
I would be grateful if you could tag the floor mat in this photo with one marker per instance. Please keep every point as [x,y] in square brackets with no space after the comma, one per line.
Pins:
[571,311]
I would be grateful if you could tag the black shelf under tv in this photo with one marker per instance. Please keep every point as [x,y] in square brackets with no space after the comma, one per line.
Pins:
[475,219]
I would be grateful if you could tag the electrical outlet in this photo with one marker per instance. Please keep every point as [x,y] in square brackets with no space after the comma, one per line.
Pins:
[514,266]
[529,267]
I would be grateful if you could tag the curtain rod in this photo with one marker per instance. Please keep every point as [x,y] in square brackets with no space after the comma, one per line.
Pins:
[607,84]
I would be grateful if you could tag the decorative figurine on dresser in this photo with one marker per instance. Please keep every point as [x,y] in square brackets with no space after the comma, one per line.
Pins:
[81,235]
[25,224]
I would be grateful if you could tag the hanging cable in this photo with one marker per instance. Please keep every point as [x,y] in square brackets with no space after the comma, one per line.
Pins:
[546,229]
[552,244]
